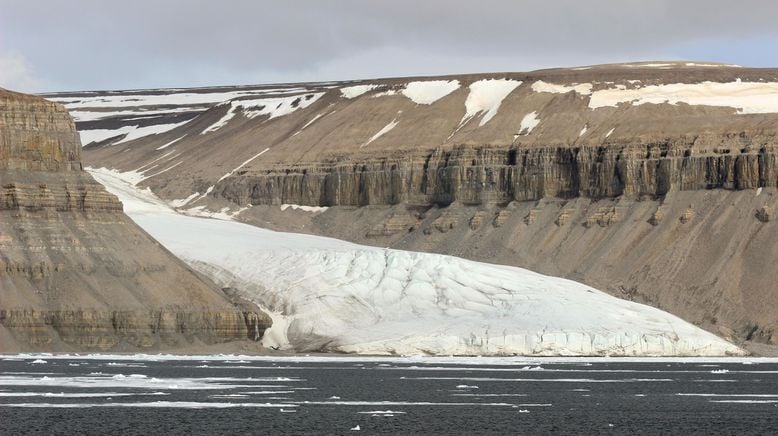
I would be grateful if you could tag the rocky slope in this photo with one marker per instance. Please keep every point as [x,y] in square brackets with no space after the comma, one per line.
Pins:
[78,274]
[654,181]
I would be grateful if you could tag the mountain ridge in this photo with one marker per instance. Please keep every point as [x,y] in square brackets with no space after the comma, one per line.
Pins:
[657,150]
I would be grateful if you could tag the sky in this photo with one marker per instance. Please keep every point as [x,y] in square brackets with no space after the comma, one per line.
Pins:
[54,45]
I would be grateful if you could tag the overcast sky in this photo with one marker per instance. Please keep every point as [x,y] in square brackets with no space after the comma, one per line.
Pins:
[109,44]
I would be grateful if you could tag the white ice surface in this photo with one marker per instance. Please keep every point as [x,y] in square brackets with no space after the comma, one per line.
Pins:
[485,98]
[333,295]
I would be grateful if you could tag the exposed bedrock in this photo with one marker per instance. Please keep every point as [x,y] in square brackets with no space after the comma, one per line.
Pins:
[78,274]
[491,175]
[105,330]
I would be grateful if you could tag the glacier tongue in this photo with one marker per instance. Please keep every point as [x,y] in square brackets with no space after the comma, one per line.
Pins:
[332,295]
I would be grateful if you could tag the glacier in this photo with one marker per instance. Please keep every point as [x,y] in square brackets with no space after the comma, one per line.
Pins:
[330,295]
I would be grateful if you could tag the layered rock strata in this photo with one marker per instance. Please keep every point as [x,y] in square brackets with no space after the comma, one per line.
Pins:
[75,272]
[486,175]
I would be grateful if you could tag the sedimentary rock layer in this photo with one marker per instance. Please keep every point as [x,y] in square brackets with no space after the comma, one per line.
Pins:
[487,175]
[78,274]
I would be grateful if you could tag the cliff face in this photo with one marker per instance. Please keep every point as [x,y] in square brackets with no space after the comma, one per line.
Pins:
[476,176]
[38,135]
[642,179]
[75,272]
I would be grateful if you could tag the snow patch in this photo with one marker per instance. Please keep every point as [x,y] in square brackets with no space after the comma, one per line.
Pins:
[694,64]
[170,143]
[485,98]
[224,213]
[184,201]
[131,132]
[430,91]
[392,124]
[581,88]
[745,97]
[272,107]
[356,90]
[529,122]
[314,209]
[246,162]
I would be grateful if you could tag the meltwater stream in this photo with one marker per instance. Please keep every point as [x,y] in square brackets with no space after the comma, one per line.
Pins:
[362,395]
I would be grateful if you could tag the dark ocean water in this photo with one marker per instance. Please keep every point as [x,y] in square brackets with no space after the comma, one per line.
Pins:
[45,395]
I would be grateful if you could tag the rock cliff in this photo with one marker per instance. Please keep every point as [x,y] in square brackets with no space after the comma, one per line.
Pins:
[75,272]
[652,181]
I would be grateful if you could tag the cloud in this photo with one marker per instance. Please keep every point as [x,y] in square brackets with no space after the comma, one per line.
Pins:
[89,44]
[17,75]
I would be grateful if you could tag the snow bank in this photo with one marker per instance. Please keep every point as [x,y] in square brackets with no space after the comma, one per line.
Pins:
[746,97]
[430,91]
[339,296]
[485,98]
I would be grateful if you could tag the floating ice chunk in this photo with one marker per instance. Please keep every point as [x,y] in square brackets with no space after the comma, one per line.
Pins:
[355,428]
